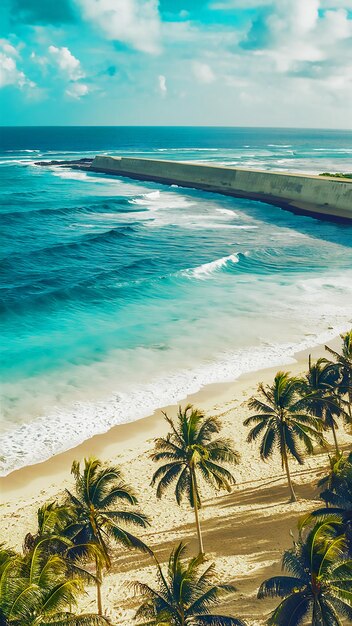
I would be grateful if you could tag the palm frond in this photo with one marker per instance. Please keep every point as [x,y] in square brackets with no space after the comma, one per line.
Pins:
[223,450]
[163,470]
[209,598]
[220,475]
[128,517]
[280,586]
[291,443]
[256,431]
[183,486]
[121,492]
[291,611]
[128,540]
[267,445]
[168,478]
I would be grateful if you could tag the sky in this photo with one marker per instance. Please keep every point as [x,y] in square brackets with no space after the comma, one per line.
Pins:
[176,62]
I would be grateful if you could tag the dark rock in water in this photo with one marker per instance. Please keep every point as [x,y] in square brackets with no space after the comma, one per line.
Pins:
[78,163]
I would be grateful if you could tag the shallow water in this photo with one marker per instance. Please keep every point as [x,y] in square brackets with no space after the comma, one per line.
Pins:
[118,297]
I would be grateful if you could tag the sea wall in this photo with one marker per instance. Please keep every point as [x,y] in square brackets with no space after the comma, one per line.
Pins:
[322,196]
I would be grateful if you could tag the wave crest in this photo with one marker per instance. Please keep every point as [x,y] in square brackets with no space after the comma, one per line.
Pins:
[206,270]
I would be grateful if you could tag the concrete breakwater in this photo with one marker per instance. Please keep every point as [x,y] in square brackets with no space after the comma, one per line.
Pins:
[328,198]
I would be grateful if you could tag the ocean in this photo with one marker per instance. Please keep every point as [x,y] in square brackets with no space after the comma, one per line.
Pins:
[118,297]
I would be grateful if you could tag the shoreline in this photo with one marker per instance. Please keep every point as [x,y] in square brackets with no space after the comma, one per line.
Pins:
[115,410]
[151,424]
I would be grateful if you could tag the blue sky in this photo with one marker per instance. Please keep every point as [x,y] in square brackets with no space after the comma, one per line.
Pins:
[197,62]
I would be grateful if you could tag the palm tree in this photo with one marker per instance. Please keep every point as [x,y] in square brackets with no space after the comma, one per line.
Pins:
[332,479]
[319,397]
[343,362]
[281,424]
[55,523]
[319,587]
[52,519]
[338,499]
[96,521]
[185,595]
[190,451]
[35,590]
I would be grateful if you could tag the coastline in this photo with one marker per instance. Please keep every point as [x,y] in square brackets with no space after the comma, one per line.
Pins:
[67,428]
[152,425]
[244,531]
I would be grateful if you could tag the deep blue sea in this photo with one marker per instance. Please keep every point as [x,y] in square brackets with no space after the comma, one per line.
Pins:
[118,297]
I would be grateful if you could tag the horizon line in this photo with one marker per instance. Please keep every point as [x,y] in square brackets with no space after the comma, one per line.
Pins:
[173,126]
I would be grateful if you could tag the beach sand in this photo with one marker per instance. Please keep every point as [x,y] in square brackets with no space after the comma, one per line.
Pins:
[245,532]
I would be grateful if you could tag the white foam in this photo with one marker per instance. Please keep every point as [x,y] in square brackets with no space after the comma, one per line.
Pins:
[338,150]
[146,197]
[70,174]
[227,212]
[157,200]
[16,151]
[243,227]
[15,162]
[64,429]
[206,270]
[102,179]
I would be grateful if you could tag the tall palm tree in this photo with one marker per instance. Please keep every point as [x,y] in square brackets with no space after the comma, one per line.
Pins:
[281,424]
[191,451]
[35,590]
[319,587]
[185,595]
[99,490]
[343,361]
[319,397]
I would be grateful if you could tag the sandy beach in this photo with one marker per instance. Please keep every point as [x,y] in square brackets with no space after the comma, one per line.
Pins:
[245,531]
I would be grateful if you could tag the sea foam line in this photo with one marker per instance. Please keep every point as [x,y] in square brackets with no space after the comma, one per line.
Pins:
[43,438]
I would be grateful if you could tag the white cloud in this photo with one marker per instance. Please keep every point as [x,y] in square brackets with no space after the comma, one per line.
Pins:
[294,17]
[68,64]
[8,48]
[203,72]
[71,70]
[162,84]
[41,61]
[9,72]
[77,90]
[133,22]
[296,33]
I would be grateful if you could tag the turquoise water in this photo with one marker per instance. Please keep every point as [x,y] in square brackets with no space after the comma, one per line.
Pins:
[118,297]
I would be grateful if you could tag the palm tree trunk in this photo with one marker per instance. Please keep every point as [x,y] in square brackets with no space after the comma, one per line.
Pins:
[337,449]
[98,583]
[196,512]
[182,617]
[314,612]
[287,469]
